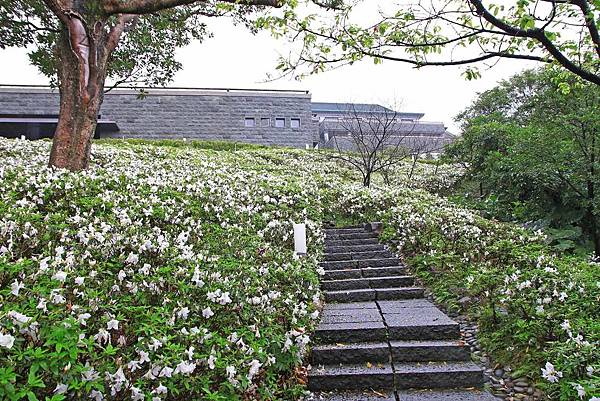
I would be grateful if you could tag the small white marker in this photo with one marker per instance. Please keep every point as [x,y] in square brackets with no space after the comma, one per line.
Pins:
[300,238]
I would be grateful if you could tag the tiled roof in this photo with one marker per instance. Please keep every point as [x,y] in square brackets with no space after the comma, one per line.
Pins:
[340,108]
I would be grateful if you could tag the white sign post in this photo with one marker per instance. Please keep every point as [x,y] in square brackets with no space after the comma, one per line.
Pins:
[300,238]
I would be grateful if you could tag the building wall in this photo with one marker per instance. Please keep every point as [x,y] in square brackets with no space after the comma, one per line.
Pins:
[191,114]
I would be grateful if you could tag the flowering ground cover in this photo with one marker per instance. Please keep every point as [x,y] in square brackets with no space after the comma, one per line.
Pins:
[159,273]
[166,271]
[537,311]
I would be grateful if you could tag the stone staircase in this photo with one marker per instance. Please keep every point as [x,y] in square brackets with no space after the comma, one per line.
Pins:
[378,339]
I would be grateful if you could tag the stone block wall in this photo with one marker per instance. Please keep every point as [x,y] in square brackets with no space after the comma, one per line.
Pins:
[190,114]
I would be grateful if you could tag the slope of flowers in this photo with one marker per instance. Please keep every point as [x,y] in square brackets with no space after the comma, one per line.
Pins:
[159,273]
[537,311]
[167,272]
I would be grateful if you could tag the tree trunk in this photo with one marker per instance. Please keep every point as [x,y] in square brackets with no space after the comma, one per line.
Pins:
[81,86]
[367,179]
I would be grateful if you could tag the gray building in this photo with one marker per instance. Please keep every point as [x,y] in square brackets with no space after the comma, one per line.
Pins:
[268,117]
[337,121]
[253,116]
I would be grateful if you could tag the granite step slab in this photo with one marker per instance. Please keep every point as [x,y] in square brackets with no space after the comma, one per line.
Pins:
[358,264]
[400,376]
[365,395]
[429,351]
[353,248]
[333,333]
[351,377]
[350,316]
[351,353]
[372,294]
[342,274]
[379,254]
[345,230]
[437,375]
[372,282]
[399,293]
[417,319]
[386,271]
[346,236]
[349,307]
[401,351]
[349,242]
[445,395]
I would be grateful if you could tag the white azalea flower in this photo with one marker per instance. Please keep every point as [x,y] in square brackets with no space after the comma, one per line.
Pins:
[6,341]
[550,373]
[15,287]
[112,324]
[59,276]
[61,388]
[81,318]
[183,313]
[137,394]
[185,368]
[589,371]
[166,372]
[211,361]
[207,313]
[160,390]
[132,259]
[18,318]
[96,395]
[254,368]
[580,390]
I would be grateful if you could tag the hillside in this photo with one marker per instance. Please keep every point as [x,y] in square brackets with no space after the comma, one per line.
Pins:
[167,270]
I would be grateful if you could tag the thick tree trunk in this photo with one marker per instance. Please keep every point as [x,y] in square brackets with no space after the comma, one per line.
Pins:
[367,179]
[81,95]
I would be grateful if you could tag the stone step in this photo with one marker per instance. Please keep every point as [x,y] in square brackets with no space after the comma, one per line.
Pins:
[342,274]
[346,236]
[400,376]
[356,332]
[368,272]
[417,319]
[350,377]
[350,242]
[358,264]
[353,353]
[429,351]
[437,375]
[383,271]
[444,395]
[365,395]
[346,230]
[358,255]
[379,352]
[373,282]
[372,294]
[354,248]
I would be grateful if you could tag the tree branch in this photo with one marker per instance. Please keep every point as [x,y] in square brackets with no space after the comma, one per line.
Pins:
[112,7]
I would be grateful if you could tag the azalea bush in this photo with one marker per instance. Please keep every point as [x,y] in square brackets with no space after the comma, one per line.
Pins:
[537,311]
[160,273]
[167,271]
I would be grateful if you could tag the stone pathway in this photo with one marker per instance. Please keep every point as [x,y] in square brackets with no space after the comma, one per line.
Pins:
[378,339]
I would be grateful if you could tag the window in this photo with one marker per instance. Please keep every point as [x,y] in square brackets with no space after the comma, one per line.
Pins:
[249,122]
[280,122]
[265,122]
[295,123]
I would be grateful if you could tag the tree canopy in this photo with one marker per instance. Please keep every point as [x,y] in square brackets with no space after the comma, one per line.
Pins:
[151,31]
[534,153]
[450,32]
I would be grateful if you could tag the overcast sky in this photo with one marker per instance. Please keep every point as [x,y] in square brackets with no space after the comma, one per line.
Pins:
[236,59]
